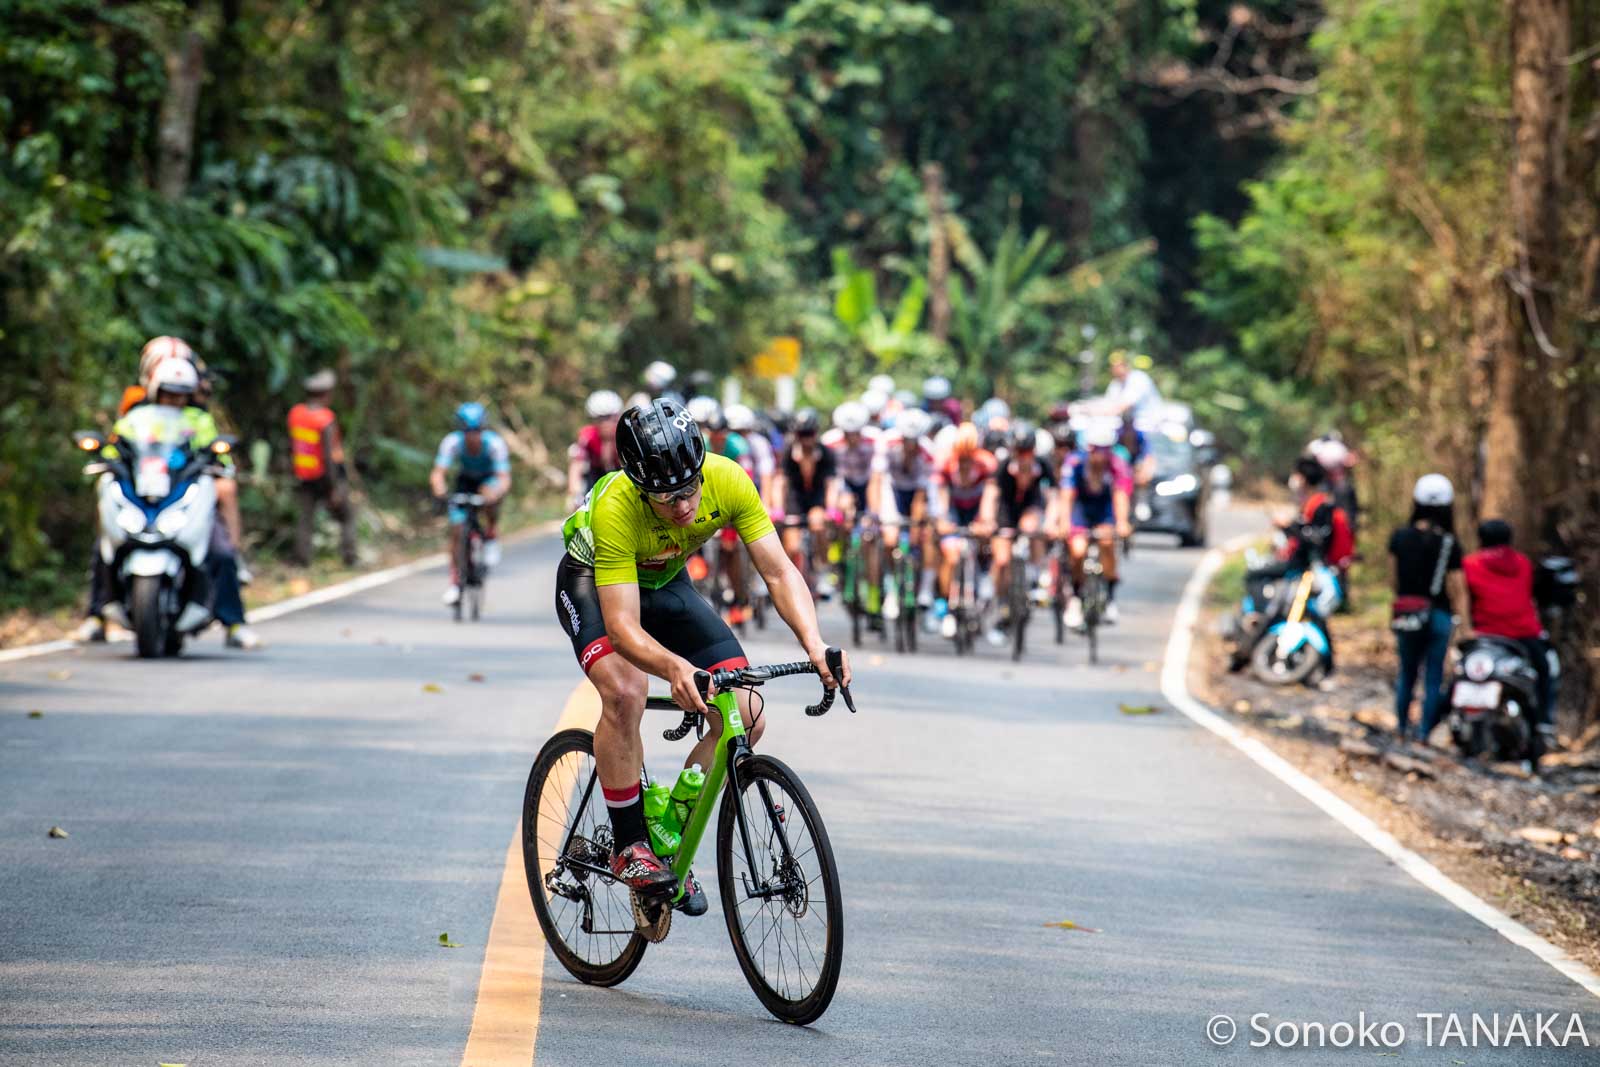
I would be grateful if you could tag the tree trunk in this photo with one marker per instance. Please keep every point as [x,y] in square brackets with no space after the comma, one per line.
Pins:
[938,254]
[1522,404]
[185,68]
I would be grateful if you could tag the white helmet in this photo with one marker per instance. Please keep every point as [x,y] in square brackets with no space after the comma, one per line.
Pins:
[1434,491]
[1330,453]
[158,350]
[936,388]
[704,408]
[1099,434]
[852,416]
[1044,443]
[881,383]
[174,376]
[913,423]
[637,400]
[875,400]
[602,404]
[995,406]
[740,418]
[659,375]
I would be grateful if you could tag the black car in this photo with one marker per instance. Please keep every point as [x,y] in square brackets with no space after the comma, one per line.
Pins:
[1175,501]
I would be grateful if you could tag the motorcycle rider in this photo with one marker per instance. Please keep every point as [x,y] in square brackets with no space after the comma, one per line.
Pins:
[1132,390]
[1500,587]
[172,385]
[485,469]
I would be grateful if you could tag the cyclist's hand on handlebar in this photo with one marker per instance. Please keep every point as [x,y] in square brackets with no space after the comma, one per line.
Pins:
[819,658]
[684,691]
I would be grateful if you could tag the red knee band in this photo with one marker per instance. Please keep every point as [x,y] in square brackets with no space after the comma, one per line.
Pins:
[598,650]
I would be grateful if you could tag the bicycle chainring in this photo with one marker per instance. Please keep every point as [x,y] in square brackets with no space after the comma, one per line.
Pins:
[652,918]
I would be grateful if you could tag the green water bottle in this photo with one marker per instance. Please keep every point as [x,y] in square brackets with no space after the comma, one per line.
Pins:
[666,832]
[685,793]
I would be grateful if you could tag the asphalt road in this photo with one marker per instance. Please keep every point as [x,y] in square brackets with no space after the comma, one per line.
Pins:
[264,850]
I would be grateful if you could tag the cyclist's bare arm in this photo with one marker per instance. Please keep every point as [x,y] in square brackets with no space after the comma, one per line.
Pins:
[1065,499]
[436,480]
[1119,508]
[792,599]
[619,605]
[988,507]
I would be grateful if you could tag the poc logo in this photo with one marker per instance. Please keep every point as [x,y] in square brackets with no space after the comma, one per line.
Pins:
[593,652]
[683,421]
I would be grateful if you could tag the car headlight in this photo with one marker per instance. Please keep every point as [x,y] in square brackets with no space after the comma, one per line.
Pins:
[1183,483]
[131,520]
[1479,665]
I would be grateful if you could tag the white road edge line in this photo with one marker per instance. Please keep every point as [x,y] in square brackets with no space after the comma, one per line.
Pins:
[316,597]
[1175,687]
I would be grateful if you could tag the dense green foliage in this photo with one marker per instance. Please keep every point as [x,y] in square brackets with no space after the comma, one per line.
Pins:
[523,200]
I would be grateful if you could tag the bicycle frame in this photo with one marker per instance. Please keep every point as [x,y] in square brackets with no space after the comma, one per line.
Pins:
[721,776]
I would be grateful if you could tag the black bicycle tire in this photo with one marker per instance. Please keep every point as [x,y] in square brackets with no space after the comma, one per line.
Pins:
[810,1008]
[1019,606]
[628,959]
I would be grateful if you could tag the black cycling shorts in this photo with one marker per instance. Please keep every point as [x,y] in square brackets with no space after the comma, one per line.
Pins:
[799,502]
[674,615]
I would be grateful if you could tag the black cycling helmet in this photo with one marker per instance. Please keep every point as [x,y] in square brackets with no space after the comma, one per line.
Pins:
[805,421]
[659,447]
[1024,438]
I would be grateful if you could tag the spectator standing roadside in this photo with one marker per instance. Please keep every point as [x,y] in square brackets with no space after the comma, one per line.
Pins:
[1425,572]
[319,468]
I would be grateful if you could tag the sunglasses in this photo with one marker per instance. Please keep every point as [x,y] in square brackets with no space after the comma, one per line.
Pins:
[666,499]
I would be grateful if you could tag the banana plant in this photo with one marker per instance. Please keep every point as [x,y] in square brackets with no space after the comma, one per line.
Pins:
[856,308]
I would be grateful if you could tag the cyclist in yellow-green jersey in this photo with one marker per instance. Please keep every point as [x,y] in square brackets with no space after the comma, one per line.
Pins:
[621,588]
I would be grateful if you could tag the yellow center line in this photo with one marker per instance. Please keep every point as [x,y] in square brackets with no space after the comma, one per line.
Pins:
[505,1018]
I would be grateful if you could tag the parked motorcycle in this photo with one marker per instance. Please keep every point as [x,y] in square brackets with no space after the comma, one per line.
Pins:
[1494,692]
[157,503]
[1494,701]
[1281,628]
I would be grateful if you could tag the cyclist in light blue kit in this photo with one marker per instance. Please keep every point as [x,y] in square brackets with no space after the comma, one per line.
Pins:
[484,465]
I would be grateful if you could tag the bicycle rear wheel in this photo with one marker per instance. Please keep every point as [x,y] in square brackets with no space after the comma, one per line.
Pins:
[787,928]
[586,916]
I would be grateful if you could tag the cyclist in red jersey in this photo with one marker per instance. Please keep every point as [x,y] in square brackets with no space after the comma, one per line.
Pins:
[594,453]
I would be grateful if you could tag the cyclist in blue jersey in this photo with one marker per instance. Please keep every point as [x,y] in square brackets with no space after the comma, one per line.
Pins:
[484,467]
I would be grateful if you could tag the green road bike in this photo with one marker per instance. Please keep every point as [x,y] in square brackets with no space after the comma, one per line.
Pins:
[778,882]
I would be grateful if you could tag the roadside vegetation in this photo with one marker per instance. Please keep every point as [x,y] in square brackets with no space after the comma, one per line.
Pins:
[1356,214]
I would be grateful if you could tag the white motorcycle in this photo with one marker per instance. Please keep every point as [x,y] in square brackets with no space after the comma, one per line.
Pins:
[157,503]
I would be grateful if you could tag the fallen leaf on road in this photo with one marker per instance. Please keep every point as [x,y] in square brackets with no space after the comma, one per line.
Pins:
[445,942]
[1137,709]
[433,688]
[476,678]
[1541,835]
[1570,853]
[36,714]
[1068,924]
[1241,707]
[299,586]
[61,676]
[56,831]
[1595,829]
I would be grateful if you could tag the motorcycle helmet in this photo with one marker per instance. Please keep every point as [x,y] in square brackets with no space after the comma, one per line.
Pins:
[158,350]
[174,376]
[1433,491]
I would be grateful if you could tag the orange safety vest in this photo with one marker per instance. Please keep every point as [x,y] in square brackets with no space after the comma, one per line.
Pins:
[306,428]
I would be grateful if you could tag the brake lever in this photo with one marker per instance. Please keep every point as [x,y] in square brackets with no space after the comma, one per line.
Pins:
[835,659]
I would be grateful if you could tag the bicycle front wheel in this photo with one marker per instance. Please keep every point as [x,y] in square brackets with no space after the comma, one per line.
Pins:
[586,915]
[780,891]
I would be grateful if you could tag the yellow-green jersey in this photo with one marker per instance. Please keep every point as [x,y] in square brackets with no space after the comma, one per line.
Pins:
[618,533]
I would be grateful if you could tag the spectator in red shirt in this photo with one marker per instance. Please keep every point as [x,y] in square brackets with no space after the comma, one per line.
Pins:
[1322,523]
[1500,584]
